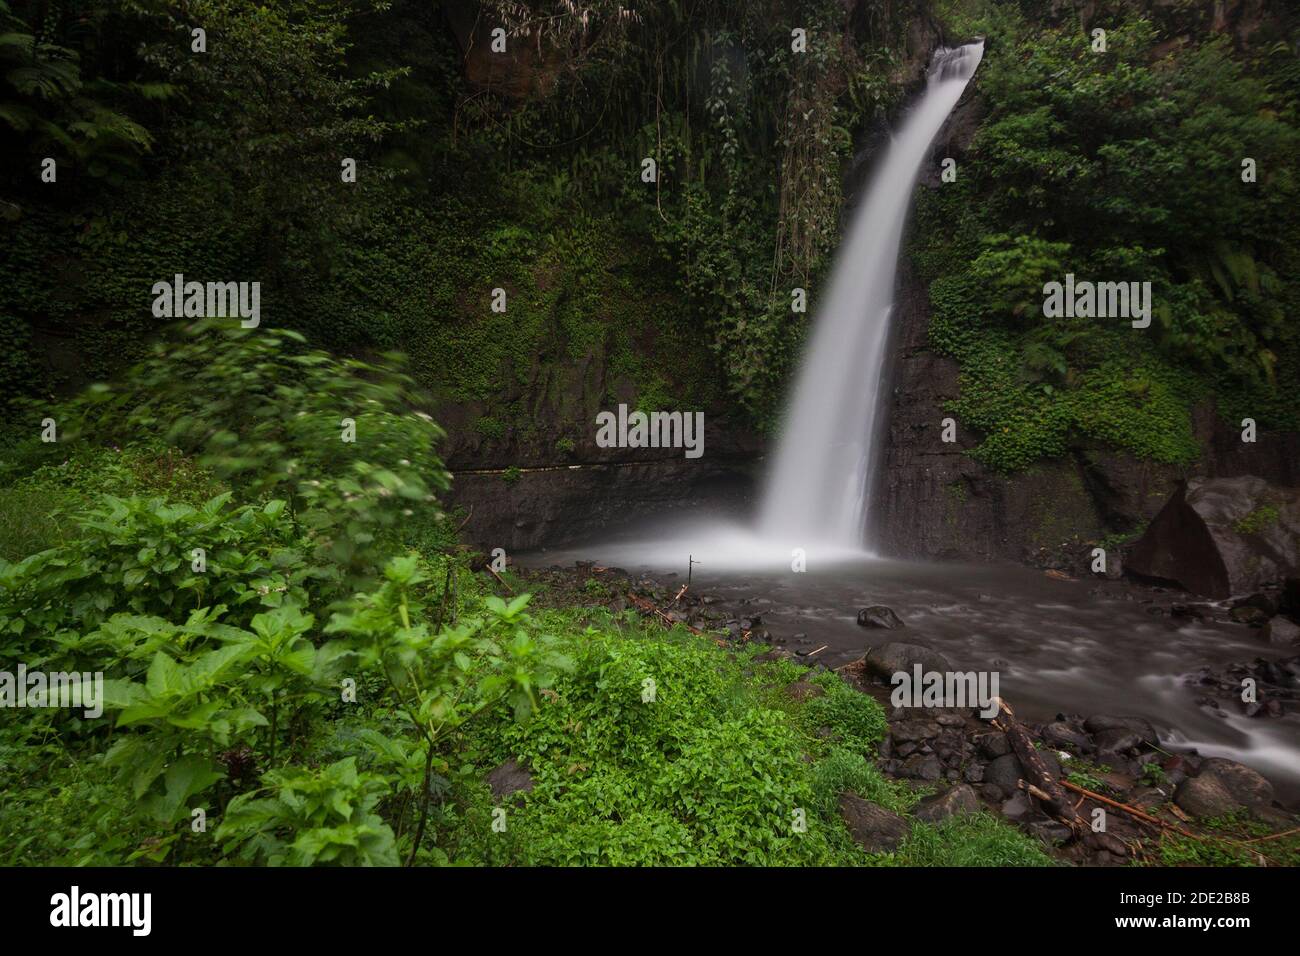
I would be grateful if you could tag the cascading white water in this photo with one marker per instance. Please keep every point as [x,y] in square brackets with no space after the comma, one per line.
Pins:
[818,488]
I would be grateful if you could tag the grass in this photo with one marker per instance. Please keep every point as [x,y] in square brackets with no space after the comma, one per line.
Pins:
[663,749]
[1232,840]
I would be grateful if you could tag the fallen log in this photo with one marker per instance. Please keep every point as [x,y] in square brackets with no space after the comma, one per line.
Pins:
[1131,811]
[1046,788]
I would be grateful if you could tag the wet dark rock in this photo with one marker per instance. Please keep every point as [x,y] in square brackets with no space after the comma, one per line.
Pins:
[508,779]
[875,829]
[1221,787]
[957,800]
[906,730]
[1222,536]
[1261,601]
[1050,832]
[1107,842]
[1119,740]
[1248,615]
[1062,735]
[1017,807]
[1006,770]
[1289,599]
[974,773]
[1281,631]
[896,657]
[921,767]
[993,744]
[1138,725]
[879,616]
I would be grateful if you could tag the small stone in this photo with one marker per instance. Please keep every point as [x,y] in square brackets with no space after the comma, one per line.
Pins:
[1139,726]
[878,616]
[958,800]
[993,744]
[1118,740]
[1050,832]
[1016,807]
[921,767]
[914,730]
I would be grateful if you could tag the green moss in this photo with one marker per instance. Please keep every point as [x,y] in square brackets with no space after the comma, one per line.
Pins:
[1265,516]
[490,427]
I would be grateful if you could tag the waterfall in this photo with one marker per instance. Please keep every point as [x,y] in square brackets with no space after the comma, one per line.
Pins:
[820,482]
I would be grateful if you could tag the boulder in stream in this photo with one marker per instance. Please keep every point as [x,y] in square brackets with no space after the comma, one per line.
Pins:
[1222,536]
[1281,631]
[899,658]
[879,616]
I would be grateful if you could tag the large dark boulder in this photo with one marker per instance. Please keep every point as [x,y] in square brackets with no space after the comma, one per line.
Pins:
[1221,787]
[1222,536]
[900,658]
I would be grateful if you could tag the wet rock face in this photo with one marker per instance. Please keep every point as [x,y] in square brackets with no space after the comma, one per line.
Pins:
[1224,536]
[932,500]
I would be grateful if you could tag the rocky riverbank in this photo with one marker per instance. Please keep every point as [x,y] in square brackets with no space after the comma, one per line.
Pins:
[1150,792]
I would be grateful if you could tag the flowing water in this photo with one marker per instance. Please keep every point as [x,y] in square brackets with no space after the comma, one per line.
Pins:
[1081,647]
[820,481]
[1058,646]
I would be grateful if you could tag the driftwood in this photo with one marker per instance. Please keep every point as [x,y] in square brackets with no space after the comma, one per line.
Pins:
[1041,784]
[1165,825]
[1131,811]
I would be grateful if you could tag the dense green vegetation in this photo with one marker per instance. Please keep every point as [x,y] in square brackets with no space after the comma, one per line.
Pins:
[301,665]
[527,177]
[300,669]
[1122,165]
[227,164]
